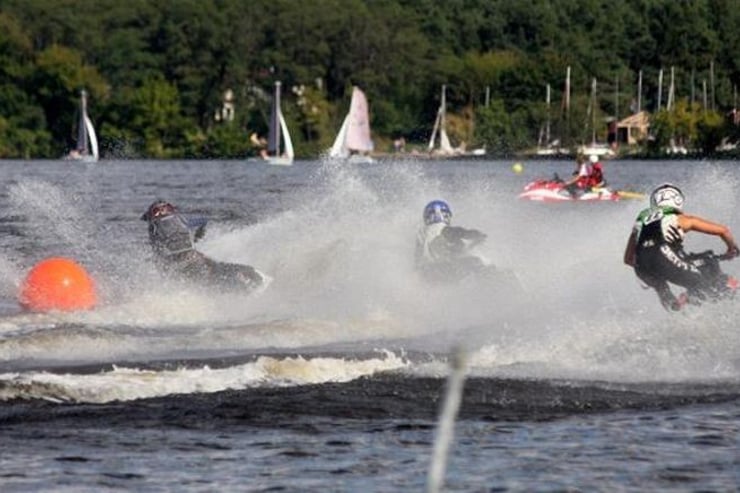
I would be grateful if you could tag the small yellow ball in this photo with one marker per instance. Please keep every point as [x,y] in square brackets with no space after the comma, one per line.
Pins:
[517,168]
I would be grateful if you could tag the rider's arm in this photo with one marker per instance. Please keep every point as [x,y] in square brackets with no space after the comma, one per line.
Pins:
[629,250]
[455,233]
[694,223]
[198,226]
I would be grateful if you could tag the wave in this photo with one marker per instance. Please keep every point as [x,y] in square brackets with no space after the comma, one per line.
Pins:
[127,384]
[385,395]
[344,284]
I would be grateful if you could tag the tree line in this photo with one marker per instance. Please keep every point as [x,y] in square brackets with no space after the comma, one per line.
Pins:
[157,73]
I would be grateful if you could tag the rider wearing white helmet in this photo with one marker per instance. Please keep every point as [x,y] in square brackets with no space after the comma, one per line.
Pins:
[443,250]
[655,246]
[578,183]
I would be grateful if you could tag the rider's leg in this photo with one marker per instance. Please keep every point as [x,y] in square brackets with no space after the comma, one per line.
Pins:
[235,275]
[665,295]
[679,269]
[703,277]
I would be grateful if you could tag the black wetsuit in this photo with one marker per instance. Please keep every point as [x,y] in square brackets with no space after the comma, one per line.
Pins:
[660,258]
[173,241]
[442,252]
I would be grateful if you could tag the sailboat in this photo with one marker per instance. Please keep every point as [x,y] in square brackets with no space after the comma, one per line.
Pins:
[674,146]
[87,141]
[353,141]
[444,148]
[546,145]
[279,146]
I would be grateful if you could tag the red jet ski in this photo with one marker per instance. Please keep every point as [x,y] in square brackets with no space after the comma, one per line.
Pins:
[554,190]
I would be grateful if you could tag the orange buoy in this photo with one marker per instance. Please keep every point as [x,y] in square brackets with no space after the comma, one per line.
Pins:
[58,283]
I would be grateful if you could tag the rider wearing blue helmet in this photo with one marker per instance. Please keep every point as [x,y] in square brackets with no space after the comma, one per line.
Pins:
[655,247]
[443,250]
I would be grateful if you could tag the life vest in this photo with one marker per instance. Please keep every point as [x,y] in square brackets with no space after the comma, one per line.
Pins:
[658,226]
[171,235]
[596,178]
[584,172]
[425,250]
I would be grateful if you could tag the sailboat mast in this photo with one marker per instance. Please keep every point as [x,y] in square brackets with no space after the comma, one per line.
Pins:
[443,106]
[273,144]
[547,124]
[566,134]
[593,110]
[439,121]
[711,79]
[82,146]
[616,98]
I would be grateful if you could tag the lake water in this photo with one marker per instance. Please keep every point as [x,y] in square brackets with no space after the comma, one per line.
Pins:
[333,378]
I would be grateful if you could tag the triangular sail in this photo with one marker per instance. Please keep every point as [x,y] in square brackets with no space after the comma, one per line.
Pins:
[87,140]
[82,128]
[279,143]
[358,131]
[435,129]
[354,135]
[439,126]
[339,149]
[286,136]
[444,142]
[92,136]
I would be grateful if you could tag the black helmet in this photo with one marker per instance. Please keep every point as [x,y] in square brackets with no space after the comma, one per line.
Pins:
[159,208]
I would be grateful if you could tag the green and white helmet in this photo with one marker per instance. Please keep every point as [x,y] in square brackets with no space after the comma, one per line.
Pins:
[667,195]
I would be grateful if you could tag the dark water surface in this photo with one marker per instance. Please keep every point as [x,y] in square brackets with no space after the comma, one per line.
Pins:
[332,379]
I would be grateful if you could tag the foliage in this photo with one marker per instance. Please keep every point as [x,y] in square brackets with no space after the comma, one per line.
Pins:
[710,131]
[156,72]
[497,129]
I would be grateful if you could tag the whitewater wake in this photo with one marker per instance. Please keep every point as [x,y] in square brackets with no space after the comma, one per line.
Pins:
[344,281]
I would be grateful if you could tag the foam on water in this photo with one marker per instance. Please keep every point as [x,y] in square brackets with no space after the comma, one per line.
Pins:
[123,384]
[342,263]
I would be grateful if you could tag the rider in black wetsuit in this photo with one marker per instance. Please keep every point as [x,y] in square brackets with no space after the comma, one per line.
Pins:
[655,249]
[173,238]
[443,251]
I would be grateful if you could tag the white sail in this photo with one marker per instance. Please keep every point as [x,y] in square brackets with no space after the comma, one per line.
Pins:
[358,131]
[87,140]
[353,140]
[279,143]
[339,149]
[286,138]
[435,129]
[439,127]
[93,138]
[444,142]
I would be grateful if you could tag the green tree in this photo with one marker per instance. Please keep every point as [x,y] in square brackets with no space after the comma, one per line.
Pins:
[59,76]
[22,124]
[496,129]
[710,130]
[155,110]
